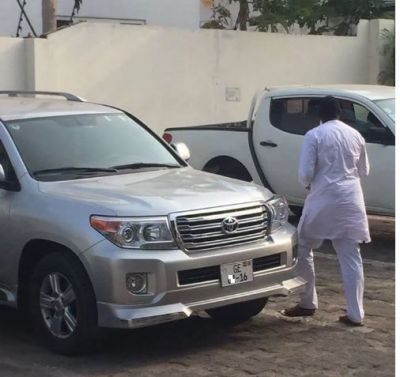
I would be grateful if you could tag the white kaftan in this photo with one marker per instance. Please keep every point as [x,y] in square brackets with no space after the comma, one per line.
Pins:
[333,160]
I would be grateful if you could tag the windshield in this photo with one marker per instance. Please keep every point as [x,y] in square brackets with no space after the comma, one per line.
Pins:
[87,144]
[388,106]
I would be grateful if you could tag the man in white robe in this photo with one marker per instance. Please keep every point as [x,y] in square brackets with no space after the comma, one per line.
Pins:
[333,160]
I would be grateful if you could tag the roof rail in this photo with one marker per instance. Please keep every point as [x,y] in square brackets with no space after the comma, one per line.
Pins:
[22,93]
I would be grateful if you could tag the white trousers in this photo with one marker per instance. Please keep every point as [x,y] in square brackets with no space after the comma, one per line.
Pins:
[348,253]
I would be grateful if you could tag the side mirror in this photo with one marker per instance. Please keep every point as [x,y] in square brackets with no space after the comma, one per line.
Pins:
[388,138]
[382,135]
[182,150]
[6,184]
[2,174]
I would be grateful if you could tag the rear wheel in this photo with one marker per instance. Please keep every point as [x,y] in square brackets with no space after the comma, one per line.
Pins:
[238,313]
[228,167]
[62,304]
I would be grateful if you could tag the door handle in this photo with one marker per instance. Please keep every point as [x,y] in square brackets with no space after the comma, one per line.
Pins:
[268,143]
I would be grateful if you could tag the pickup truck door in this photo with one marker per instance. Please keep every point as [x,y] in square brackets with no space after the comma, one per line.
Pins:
[279,129]
[278,132]
[379,186]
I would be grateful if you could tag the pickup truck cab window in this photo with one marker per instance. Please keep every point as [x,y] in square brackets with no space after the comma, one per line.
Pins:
[295,115]
[298,115]
[365,122]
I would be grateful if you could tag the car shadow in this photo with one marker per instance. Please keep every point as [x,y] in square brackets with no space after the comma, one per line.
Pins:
[171,343]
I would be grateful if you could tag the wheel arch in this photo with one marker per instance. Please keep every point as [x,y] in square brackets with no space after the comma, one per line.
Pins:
[33,252]
[225,165]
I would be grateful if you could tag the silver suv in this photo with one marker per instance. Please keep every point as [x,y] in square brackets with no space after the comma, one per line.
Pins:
[102,224]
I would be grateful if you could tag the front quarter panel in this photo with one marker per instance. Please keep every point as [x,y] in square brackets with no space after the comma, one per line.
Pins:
[37,216]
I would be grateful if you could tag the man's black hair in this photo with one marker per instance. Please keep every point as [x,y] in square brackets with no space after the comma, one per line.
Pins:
[329,109]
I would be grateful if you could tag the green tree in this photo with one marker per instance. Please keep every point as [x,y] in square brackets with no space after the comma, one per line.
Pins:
[350,12]
[310,14]
[220,19]
[313,14]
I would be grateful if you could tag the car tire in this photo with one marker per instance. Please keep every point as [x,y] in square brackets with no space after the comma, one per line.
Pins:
[297,211]
[238,313]
[63,305]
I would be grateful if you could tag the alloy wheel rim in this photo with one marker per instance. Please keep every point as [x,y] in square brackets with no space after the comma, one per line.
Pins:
[58,305]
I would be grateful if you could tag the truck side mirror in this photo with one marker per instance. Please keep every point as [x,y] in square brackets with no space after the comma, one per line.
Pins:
[2,174]
[182,150]
[382,135]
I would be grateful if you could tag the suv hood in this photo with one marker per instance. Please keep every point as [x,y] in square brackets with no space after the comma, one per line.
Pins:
[157,193]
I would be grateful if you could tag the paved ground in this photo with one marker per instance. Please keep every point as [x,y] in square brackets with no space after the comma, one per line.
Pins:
[269,345]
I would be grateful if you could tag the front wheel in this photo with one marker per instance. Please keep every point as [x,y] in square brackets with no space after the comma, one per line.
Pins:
[297,211]
[62,304]
[238,313]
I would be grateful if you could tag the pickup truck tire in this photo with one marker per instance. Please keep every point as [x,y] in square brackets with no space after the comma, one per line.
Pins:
[228,167]
[238,313]
[298,211]
[62,304]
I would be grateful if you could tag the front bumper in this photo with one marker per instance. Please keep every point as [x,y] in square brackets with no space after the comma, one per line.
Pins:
[130,317]
[167,299]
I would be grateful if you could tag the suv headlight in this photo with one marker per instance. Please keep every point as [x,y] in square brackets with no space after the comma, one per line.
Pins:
[279,211]
[135,233]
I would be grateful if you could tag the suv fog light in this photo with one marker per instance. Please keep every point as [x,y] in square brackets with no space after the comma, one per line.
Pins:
[137,283]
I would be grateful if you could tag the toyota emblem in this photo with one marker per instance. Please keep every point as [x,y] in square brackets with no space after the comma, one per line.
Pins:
[230,225]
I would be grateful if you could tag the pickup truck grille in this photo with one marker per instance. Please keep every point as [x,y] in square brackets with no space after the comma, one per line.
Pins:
[222,227]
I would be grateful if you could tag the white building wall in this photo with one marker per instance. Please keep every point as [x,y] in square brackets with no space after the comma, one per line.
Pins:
[177,13]
[171,77]
[13,58]
[174,77]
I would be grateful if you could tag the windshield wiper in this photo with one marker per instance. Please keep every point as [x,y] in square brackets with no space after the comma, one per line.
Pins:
[139,165]
[75,170]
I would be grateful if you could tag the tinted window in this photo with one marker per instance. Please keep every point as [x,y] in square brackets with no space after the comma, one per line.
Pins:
[364,121]
[294,115]
[299,115]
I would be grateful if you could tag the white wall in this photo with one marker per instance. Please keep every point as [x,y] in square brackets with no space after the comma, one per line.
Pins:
[174,77]
[12,63]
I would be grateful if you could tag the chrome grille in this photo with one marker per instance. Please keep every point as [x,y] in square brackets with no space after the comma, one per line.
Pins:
[204,230]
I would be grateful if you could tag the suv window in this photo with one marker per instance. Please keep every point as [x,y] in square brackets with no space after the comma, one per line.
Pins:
[295,115]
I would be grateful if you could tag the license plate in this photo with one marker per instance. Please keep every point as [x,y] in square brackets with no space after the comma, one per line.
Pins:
[236,273]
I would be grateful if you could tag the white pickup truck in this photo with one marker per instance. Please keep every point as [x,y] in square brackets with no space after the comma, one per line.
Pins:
[265,149]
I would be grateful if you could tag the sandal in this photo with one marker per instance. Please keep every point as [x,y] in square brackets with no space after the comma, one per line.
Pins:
[298,311]
[347,321]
